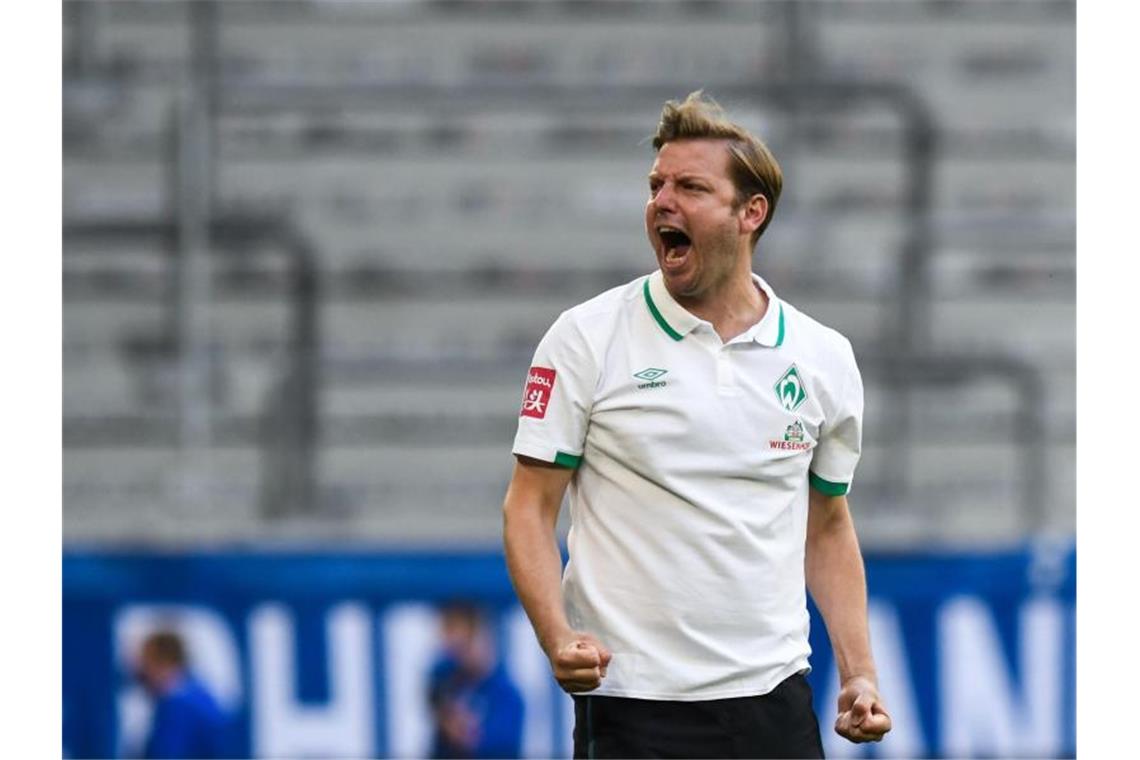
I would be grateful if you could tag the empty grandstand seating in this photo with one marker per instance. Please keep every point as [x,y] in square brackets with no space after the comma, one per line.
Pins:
[449,231]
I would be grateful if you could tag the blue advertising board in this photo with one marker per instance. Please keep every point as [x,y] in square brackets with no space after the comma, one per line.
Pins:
[320,653]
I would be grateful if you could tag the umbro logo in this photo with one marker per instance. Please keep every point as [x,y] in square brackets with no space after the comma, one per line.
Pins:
[650,375]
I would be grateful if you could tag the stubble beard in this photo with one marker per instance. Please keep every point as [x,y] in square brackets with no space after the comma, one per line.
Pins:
[718,259]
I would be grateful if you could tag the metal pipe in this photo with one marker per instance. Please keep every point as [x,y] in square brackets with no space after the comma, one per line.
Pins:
[192,291]
[194,162]
[289,484]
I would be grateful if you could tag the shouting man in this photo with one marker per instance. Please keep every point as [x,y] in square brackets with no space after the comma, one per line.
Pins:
[708,432]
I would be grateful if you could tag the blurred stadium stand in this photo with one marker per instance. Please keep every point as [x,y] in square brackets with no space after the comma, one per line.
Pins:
[309,247]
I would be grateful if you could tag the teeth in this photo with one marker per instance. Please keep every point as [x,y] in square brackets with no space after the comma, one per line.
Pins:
[668,229]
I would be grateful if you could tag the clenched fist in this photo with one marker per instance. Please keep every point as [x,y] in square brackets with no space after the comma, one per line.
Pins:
[862,716]
[579,662]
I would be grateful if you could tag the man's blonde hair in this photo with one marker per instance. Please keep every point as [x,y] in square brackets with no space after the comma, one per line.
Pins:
[752,167]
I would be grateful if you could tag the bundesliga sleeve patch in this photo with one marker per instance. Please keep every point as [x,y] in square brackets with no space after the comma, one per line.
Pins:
[536,397]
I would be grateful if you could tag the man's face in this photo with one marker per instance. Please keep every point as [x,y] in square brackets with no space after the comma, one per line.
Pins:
[150,670]
[467,641]
[691,220]
[457,633]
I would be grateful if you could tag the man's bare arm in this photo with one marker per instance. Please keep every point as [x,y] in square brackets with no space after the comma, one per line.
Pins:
[838,584]
[530,514]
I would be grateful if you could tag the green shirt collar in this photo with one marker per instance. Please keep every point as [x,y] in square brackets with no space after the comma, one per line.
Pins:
[677,322]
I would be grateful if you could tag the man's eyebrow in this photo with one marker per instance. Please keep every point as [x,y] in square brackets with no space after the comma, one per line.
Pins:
[685,175]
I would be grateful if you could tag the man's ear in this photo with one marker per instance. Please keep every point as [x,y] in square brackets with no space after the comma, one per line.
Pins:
[755,212]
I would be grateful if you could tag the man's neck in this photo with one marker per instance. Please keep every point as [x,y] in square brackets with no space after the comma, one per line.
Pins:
[733,308]
[169,681]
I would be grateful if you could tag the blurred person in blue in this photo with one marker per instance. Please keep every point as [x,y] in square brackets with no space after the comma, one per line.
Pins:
[477,709]
[187,721]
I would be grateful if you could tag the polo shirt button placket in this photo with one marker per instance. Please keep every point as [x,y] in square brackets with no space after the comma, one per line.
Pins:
[725,376]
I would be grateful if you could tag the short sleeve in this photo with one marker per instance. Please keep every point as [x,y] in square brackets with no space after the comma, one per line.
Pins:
[557,397]
[840,441]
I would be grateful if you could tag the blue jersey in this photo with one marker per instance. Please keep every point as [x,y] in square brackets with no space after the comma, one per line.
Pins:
[187,723]
[493,700]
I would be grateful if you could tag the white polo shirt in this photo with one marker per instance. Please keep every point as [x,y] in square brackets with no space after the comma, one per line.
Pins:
[689,505]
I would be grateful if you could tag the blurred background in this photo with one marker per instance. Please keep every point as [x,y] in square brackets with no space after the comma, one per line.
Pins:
[308,251]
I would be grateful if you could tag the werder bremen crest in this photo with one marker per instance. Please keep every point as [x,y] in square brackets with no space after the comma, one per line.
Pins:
[790,389]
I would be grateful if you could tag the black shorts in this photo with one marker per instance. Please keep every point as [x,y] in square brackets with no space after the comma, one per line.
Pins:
[780,723]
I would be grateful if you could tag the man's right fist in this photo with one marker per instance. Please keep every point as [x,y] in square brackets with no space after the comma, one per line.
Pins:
[580,663]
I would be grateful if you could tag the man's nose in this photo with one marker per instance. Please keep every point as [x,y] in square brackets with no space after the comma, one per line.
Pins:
[664,199]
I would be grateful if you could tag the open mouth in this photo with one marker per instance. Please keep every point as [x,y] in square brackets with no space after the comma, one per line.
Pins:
[676,243]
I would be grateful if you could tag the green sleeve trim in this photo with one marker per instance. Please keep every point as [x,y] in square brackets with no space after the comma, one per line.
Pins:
[826,486]
[562,459]
[780,336]
[657,315]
